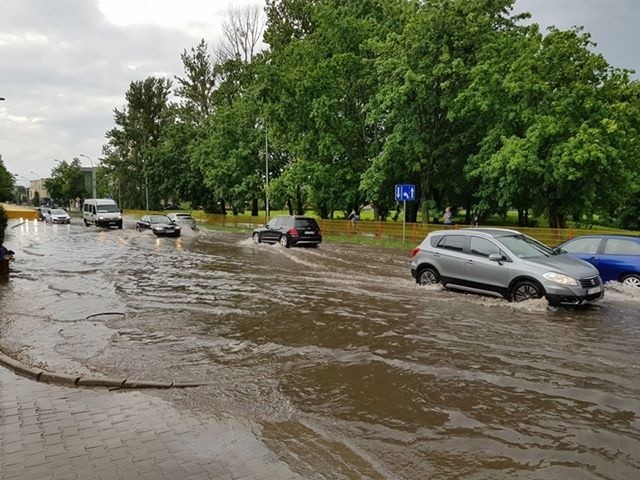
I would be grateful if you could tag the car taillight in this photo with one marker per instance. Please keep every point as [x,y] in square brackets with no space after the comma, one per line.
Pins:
[293,232]
[415,251]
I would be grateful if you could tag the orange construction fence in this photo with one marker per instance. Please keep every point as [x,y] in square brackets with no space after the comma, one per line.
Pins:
[378,230]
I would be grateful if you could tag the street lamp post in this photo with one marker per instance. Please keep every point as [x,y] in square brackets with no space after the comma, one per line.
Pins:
[93,175]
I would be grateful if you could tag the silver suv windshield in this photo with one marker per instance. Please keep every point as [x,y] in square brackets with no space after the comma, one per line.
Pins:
[525,247]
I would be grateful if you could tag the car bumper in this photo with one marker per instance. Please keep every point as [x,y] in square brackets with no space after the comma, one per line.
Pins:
[167,234]
[61,220]
[108,223]
[305,240]
[573,295]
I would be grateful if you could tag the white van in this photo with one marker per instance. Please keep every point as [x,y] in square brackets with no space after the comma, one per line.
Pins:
[101,212]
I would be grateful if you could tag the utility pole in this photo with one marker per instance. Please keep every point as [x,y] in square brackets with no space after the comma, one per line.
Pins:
[266,166]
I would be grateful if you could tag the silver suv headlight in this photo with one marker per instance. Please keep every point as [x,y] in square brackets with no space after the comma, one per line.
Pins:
[561,278]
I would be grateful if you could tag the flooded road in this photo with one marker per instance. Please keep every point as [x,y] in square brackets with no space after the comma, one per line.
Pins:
[333,357]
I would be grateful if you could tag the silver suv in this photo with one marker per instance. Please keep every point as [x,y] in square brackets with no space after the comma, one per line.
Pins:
[505,263]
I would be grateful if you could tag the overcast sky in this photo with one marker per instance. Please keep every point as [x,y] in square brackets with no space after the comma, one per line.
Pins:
[66,64]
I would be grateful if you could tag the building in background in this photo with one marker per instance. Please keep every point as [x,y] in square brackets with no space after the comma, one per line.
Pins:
[38,192]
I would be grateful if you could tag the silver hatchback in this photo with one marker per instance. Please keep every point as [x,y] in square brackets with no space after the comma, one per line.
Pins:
[506,263]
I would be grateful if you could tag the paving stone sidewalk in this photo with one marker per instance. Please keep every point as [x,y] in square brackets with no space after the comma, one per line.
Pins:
[56,432]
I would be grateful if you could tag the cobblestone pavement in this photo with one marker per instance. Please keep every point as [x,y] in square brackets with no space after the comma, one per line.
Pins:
[55,432]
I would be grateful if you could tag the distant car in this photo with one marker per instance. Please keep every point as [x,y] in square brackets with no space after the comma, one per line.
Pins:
[501,262]
[289,231]
[101,212]
[183,219]
[160,225]
[617,257]
[172,206]
[58,215]
[41,215]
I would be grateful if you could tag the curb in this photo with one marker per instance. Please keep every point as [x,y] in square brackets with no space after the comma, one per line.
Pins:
[81,381]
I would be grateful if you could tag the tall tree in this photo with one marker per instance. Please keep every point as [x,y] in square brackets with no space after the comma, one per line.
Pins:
[425,68]
[287,20]
[196,94]
[242,33]
[195,89]
[563,119]
[6,183]
[326,80]
[66,182]
[130,155]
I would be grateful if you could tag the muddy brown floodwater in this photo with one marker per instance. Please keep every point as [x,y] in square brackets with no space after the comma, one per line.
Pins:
[333,357]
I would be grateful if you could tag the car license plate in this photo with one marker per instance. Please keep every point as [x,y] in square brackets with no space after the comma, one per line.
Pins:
[593,290]
[309,233]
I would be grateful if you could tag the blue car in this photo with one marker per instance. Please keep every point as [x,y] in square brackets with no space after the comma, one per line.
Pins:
[617,257]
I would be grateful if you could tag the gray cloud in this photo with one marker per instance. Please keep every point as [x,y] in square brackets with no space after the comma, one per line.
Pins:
[64,70]
[613,24]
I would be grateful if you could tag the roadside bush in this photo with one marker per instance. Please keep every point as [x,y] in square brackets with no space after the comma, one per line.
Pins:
[3,223]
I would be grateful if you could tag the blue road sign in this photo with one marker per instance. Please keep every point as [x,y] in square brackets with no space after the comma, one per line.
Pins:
[405,193]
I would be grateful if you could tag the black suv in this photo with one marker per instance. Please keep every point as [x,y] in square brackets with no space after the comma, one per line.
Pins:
[289,231]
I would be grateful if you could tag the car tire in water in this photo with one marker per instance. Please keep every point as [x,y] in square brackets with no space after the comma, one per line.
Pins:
[256,237]
[284,241]
[428,276]
[525,290]
[631,279]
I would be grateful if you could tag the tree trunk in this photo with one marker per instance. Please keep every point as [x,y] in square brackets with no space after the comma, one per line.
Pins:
[424,197]
[254,207]
[223,207]
[299,205]
[556,218]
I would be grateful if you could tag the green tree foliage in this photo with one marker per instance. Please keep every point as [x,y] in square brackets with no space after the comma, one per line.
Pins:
[459,97]
[3,223]
[66,183]
[6,183]
[562,120]
[325,82]
[426,66]
[131,157]
[287,21]
[195,94]
[229,153]
[195,90]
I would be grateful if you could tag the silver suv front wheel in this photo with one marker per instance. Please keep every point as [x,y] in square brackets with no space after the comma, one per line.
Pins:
[525,290]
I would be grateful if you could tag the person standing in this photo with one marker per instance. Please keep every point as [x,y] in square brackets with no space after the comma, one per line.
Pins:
[448,217]
[354,217]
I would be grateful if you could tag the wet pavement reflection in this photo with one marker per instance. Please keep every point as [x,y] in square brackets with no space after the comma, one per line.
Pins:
[344,366]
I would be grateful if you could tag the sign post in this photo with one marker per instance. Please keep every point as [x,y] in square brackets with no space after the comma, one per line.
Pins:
[405,193]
